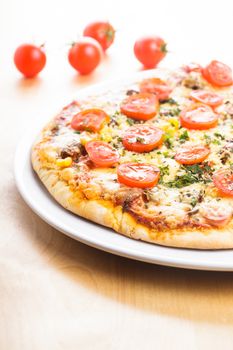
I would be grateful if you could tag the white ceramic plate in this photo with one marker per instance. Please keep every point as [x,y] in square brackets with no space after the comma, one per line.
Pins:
[98,236]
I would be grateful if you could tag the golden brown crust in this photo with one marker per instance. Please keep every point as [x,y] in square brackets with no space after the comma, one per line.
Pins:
[86,200]
[105,213]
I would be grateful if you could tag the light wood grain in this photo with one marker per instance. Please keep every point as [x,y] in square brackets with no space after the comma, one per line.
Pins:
[56,293]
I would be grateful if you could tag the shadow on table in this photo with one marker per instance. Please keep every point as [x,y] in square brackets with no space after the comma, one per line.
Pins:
[28,84]
[176,292]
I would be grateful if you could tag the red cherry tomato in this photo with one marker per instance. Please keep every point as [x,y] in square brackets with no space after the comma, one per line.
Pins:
[101,153]
[156,86]
[192,67]
[89,119]
[216,214]
[150,51]
[85,55]
[29,60]
[218,74]
[138,175]
[199,117]
[223,180]
[103,32]
[207,97]
[192,154]
[141,106]
[142,138]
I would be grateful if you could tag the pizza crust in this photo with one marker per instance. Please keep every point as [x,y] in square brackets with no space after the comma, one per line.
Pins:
[105,213]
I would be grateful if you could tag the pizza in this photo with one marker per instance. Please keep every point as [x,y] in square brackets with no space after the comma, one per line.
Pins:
[152,158]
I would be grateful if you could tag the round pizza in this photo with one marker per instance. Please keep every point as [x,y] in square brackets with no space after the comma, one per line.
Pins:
[152,158]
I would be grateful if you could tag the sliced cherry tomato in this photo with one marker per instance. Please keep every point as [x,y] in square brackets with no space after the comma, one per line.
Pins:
[218,74]
[142,138]
[192,67]
[216,214]
[223,180]
[85,55]
[192,154]
[101,153]
[103,32]
[150,51]
[29,60]
[208,97]
[199,117]
[142,106]
[156,86]
[89,120]
[138,175]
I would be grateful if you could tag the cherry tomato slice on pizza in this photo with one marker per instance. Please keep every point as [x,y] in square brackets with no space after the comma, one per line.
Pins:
[156,86]
[218,74]
[138,175]
[142,138]
[89,120]
[223,180]
[217,215]
[192,154]
[199,117]
[207,97]
[141,106]
[101,153]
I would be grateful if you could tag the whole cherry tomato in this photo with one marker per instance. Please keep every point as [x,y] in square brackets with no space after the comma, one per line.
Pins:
[103,32]
[150,51]
[29,59]
[85,55]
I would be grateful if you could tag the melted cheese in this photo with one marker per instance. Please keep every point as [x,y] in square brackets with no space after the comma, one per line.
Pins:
[173,203]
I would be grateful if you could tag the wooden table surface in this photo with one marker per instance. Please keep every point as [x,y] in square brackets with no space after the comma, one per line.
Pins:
[56,293]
